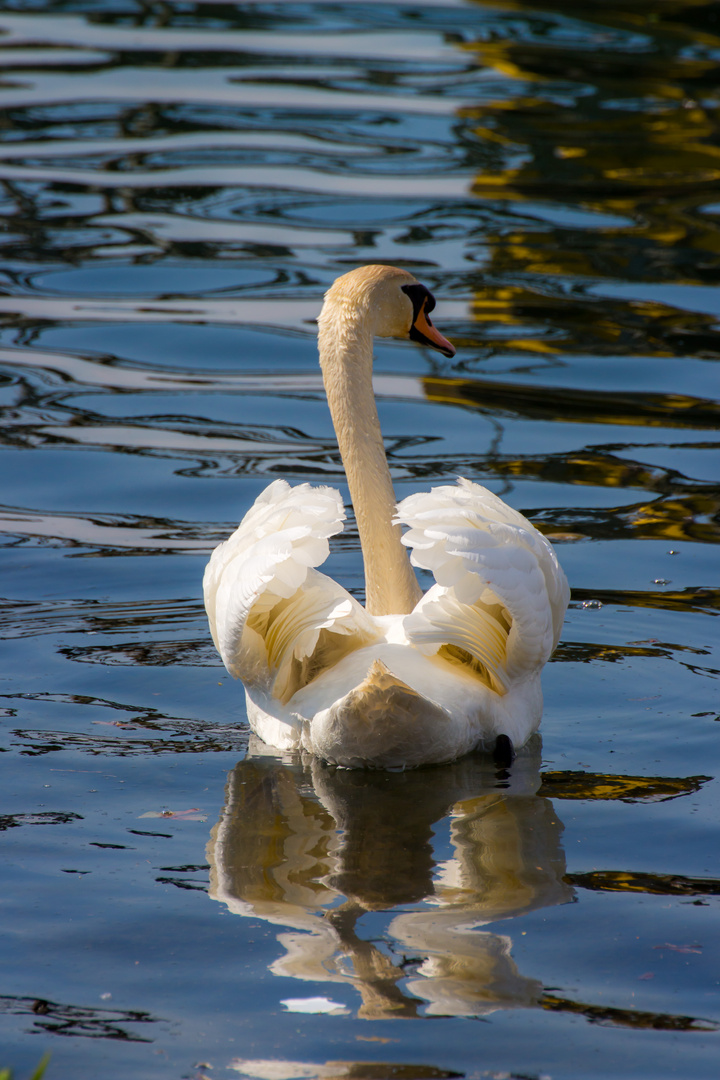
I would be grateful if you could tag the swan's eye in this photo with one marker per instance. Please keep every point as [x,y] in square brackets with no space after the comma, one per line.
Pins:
[421,297]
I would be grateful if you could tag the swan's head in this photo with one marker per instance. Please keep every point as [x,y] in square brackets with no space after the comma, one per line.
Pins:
[394,303]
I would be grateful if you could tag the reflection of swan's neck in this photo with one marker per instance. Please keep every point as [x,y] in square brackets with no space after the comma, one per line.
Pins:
[346,343]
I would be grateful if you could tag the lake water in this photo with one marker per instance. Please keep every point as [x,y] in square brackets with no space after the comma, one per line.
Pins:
[180,182]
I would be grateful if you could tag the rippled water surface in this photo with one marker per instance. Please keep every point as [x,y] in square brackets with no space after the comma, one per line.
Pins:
[180,182]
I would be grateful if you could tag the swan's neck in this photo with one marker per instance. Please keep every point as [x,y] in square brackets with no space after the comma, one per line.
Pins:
[346,345]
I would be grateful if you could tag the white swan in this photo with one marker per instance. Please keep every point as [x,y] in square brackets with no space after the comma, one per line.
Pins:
[410,679]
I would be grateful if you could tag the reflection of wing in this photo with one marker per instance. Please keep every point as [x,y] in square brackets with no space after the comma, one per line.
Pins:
[273,847]
[500,595]
[508,857]
[465,972]
[267,607]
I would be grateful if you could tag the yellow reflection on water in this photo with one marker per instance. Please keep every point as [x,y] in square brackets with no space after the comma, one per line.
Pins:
[607,158]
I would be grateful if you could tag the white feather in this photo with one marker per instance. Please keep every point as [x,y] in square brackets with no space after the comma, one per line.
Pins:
[500,594]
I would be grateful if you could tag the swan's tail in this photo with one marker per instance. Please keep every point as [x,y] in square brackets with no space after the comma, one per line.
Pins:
[382,724]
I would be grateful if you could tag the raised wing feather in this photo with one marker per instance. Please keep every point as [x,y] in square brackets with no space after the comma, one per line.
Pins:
[500,595]
[270,612]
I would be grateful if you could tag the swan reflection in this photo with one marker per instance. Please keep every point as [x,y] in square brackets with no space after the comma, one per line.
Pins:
[444,851]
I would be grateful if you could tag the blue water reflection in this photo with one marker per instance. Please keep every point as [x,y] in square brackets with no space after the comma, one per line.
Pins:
[179,184]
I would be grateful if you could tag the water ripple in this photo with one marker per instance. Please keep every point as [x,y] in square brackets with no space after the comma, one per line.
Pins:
[179,185]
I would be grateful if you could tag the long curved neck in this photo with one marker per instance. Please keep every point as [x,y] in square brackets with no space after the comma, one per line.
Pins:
[346,343]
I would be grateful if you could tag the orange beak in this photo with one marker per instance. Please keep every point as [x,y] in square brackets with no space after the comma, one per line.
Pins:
[426,332]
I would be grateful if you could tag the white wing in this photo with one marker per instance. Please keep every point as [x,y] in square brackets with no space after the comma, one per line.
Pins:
[500,595]
[273,618]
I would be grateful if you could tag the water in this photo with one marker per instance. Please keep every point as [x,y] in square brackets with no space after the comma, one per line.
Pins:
[180,183]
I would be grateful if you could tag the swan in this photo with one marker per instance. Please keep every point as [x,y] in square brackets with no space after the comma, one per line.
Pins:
[409,679]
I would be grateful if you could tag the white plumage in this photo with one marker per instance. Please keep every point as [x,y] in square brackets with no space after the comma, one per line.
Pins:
[412,679]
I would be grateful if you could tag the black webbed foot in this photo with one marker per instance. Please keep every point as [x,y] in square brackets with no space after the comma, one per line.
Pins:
[504,752]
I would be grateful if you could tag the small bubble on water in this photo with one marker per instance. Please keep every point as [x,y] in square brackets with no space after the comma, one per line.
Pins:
[593,604]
